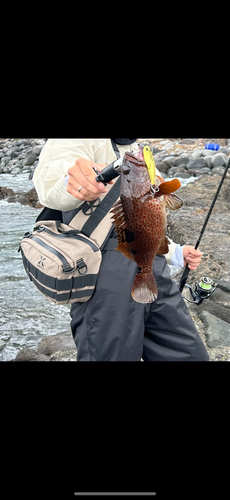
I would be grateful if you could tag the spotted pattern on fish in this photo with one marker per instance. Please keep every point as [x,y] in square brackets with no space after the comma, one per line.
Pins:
[140,221]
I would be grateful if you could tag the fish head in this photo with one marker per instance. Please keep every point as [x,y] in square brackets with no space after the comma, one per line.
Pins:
[135,180]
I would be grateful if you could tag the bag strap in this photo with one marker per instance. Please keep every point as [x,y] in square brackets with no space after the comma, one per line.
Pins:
[104,207]
[101,211]
[115,148]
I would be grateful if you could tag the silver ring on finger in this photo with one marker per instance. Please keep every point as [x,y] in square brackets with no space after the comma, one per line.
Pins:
[80,188]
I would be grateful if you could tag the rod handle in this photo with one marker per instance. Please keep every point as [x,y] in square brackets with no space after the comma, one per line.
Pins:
[184,277]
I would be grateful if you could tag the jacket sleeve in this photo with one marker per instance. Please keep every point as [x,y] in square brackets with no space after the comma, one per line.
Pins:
[172,248]
[57,156]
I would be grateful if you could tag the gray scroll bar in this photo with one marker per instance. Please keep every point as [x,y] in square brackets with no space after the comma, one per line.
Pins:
[112,493]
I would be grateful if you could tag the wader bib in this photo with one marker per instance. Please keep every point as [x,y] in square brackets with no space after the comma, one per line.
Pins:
[111,326]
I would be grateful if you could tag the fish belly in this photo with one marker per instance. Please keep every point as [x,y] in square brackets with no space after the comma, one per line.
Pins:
[145,226]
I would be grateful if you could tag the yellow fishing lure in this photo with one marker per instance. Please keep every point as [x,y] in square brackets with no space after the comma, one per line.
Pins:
[149,160]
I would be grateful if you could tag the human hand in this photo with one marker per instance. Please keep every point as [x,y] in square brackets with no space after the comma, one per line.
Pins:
[82,175]
[192,257]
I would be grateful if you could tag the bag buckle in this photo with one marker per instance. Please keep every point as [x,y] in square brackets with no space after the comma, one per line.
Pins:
[90,205]
[67,268]
[81,267]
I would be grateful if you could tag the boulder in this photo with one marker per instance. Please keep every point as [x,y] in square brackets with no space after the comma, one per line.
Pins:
[169,160]
[6,192]
[37,150]
[219,160]
[52,343]
[183,175]
[30,159]
[162,167]
[181,160]
[196,163]
[28,354]
[217,330]
[30,198]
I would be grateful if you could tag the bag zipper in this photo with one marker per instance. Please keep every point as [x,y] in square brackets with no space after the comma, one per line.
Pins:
[65,264]
[66,235]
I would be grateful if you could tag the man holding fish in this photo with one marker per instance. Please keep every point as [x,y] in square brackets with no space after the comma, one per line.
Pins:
[136,311]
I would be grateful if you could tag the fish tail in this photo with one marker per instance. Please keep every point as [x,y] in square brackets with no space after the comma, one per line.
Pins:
[144,289]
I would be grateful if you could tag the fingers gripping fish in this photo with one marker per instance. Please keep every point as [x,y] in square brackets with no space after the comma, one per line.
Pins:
[140,220]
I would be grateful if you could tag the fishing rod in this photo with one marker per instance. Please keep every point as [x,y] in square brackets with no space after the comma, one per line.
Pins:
[206,287]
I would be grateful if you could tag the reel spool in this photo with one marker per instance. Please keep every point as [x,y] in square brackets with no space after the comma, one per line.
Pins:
[203,290]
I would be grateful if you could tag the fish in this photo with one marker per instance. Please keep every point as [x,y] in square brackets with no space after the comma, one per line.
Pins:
[139,217]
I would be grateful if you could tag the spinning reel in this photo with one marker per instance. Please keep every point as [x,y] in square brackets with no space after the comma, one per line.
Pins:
[203,290]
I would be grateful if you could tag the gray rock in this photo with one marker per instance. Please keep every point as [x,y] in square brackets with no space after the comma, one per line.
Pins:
[209,159]
[29,160]
[37,150]
[1,169]
[20,142]
[15,171]
[52,343]
[207,152]
[218,170]
[226,151]
[5,159]
[182,160]
[162,167]
[196,163]
[217,330]
[169,160]
[223,285]
[196,154]
[196,172]
[183,175]
[28,354]
[219,160]
[180,168]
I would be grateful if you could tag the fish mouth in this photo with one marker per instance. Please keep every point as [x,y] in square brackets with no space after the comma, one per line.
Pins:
[136,158]
[139,155]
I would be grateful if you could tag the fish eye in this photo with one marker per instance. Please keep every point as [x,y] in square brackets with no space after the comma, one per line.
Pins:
[125,170]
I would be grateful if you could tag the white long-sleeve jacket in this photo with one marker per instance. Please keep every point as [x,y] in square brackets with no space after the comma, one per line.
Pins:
[58,155]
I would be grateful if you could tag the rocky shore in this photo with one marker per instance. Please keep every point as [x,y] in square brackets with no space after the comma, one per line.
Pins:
[183,158]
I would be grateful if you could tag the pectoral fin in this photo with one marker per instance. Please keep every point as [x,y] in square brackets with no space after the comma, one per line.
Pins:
[173,202]
[169,187]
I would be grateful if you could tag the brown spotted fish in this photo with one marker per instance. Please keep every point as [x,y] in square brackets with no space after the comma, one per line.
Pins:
[140,220]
